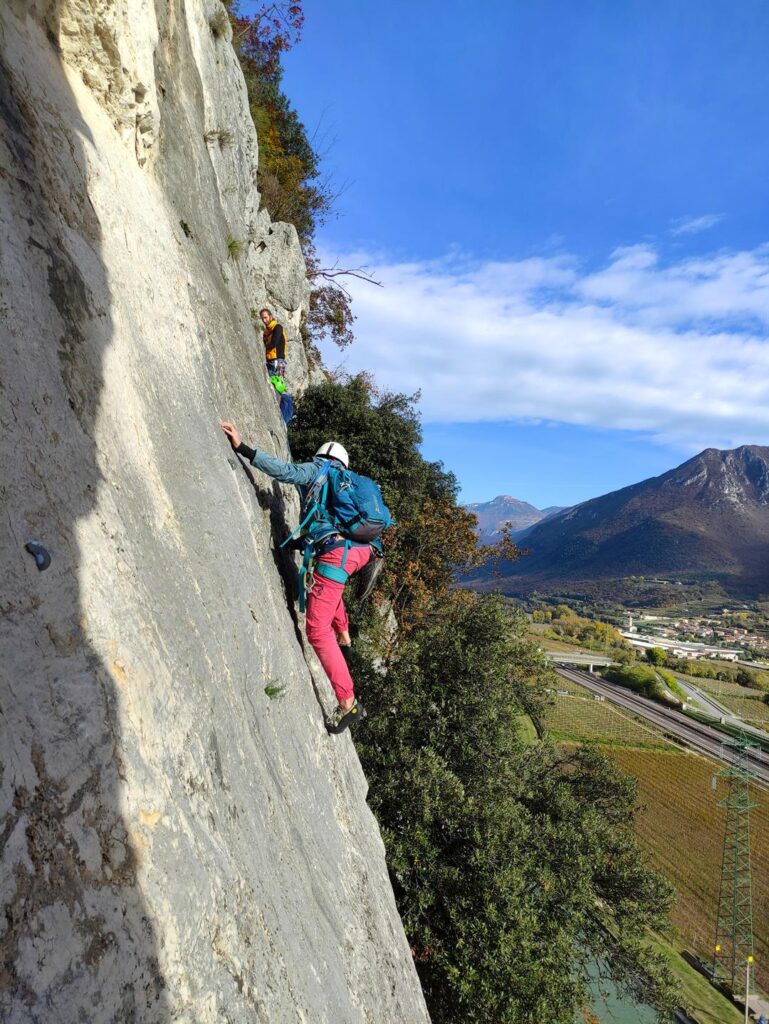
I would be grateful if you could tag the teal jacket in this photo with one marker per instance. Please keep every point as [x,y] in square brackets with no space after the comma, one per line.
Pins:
[301,475]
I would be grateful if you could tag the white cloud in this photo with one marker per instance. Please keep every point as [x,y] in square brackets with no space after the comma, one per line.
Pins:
[678,351]
[693,225]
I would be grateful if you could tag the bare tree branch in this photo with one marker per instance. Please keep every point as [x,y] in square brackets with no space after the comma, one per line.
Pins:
[336,272]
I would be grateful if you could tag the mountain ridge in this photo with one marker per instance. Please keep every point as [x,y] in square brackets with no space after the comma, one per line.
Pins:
[494,515]
[710,515]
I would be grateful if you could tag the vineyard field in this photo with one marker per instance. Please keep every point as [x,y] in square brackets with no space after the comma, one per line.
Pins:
[753,711]
[682,827]
[578,717]
[741,700]
[716,688]
[680,824]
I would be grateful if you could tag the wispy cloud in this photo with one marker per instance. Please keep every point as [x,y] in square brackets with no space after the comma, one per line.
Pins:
[679,351]
[693,225]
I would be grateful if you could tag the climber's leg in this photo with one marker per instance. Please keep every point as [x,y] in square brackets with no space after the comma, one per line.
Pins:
[341,624]
[327,616]
[322,604]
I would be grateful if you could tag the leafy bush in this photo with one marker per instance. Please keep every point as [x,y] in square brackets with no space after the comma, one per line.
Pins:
[590,633]
[656,656]
[514,865]
[643,679]
[288,175]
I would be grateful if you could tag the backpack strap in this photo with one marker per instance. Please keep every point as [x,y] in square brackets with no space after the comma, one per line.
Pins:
[347,546]
[317,496]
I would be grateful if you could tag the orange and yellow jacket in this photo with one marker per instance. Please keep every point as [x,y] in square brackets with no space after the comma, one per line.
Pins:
[274,341]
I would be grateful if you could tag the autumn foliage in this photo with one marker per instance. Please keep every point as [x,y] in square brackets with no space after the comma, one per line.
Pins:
[289,176]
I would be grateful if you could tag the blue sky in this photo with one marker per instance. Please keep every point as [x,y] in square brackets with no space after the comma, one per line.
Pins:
[567,205]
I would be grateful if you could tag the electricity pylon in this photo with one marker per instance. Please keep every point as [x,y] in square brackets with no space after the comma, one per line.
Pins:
[734,927]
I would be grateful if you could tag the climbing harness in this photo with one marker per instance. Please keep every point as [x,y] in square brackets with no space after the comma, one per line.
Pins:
[349,510]
[311,568]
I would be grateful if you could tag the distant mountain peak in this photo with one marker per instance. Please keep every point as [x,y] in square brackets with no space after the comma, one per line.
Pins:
[501,499]
[708,516]
[493,516]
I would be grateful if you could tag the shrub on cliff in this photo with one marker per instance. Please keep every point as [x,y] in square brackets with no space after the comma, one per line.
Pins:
[289,176]
[514,866]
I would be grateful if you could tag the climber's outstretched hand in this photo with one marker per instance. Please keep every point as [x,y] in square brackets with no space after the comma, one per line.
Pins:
[232,434]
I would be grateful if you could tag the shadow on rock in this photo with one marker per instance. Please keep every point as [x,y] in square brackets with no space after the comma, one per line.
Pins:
[78,942]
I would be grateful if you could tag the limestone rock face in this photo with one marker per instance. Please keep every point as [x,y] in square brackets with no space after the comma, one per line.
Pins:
[180,839]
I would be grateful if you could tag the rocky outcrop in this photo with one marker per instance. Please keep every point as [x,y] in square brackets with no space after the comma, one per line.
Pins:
[180,838]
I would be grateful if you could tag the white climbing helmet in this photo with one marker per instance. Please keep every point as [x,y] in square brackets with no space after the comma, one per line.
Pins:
[333,450]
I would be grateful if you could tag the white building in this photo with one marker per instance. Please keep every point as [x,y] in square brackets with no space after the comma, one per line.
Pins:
[680,648]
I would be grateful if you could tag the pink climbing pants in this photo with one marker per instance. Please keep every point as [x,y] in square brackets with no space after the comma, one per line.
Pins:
[327,616]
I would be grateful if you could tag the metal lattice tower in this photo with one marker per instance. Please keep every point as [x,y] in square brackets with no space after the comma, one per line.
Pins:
[734,927]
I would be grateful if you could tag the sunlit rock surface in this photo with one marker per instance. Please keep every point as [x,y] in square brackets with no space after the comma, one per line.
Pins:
[176,844]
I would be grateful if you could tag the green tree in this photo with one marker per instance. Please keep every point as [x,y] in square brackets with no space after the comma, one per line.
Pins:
[747,678]
[645,680]
[513,865]
[656,656]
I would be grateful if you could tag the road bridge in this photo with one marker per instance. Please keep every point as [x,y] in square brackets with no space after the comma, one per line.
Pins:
[578,658]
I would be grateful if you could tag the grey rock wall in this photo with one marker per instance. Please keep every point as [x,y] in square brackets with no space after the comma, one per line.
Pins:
[174,843]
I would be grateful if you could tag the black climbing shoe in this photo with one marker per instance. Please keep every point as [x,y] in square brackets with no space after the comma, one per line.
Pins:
[341,720]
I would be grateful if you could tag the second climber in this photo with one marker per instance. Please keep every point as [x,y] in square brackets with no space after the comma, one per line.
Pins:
[274,338]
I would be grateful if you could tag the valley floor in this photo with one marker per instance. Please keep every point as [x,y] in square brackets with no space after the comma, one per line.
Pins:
[680,825]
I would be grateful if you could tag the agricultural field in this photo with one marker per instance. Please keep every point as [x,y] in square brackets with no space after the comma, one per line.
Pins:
[753,711]
[578,717]
[718,688]
[682,827]
[680,824]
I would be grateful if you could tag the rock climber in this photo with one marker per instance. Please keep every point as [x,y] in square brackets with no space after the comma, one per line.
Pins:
[327,622]
[274,338]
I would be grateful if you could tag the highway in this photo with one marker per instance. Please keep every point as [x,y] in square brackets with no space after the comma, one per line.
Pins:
[699,737]
[705,702]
